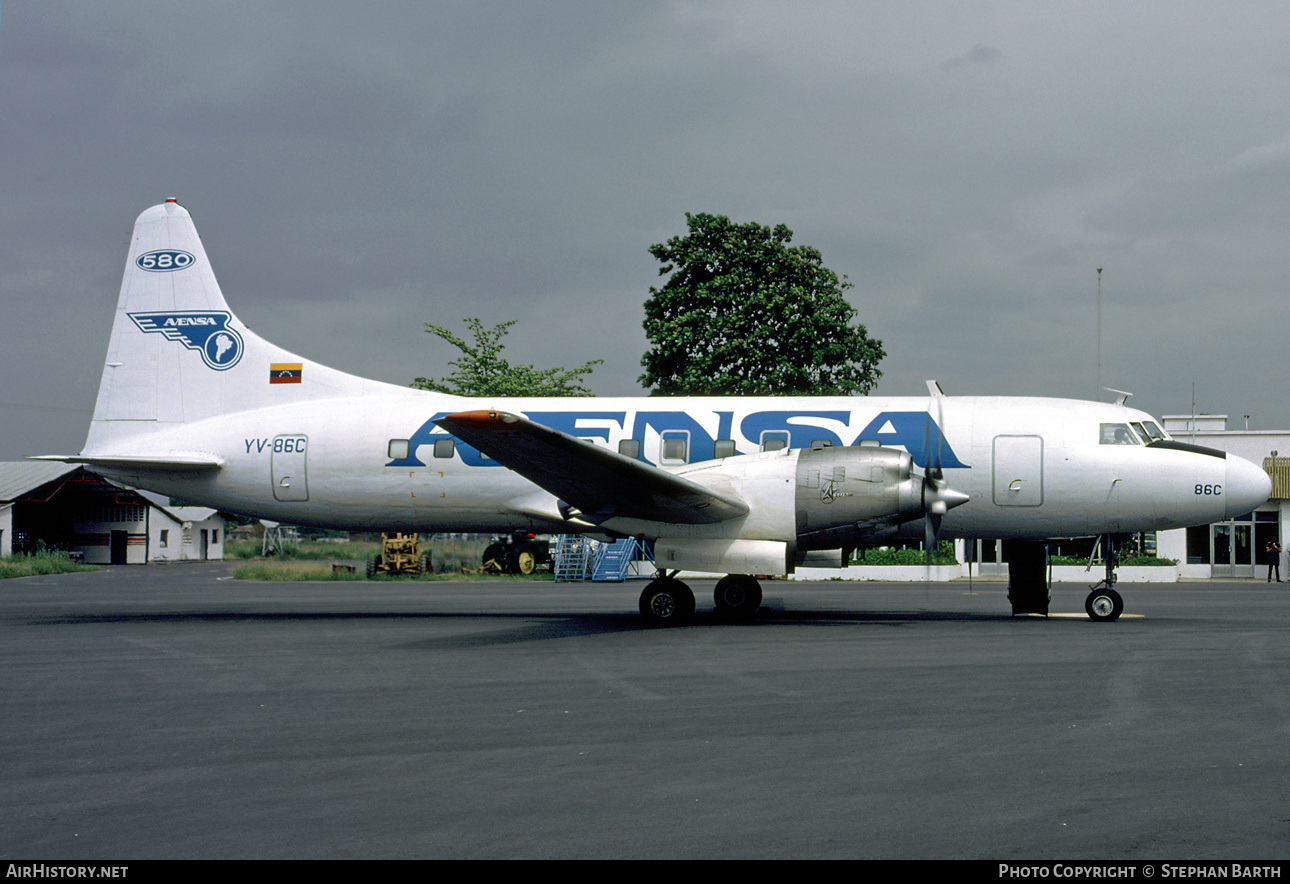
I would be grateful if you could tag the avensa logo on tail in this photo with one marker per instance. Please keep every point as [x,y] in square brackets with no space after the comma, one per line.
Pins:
[165,260]
[207,332]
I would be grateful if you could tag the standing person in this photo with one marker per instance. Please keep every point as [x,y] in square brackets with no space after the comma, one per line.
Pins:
[1273,553]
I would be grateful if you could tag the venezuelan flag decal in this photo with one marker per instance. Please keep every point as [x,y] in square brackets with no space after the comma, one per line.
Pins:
[285,372]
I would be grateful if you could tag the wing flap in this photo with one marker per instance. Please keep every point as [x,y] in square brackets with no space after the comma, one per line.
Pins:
[601,484]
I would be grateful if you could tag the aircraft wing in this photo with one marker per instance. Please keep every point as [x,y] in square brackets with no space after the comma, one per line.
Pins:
[602,484]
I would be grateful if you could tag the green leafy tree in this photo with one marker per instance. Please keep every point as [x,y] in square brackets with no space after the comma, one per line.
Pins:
[745,313]
[481,371]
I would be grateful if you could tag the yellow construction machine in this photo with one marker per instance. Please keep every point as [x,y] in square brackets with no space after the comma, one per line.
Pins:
[400,554]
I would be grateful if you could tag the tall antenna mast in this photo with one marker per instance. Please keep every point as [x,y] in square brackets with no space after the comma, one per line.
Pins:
[1097,394]
[1193,411]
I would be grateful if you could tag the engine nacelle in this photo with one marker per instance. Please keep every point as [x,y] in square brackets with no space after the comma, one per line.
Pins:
[800,500]
[850,496]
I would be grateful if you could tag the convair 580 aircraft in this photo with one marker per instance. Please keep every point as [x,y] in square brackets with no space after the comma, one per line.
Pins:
[194,404]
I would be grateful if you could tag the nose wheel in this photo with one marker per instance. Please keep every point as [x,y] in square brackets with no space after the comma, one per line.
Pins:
[1104,605]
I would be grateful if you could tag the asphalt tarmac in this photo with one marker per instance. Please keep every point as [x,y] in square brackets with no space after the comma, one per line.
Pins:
[171,712]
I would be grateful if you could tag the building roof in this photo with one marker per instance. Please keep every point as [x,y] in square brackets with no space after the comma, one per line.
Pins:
[180,513]
[17,477]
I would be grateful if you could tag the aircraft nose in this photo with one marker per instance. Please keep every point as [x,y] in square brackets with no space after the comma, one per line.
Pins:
[1248,487]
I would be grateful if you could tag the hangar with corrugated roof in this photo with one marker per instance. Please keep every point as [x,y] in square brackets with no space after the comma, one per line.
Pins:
[67,507]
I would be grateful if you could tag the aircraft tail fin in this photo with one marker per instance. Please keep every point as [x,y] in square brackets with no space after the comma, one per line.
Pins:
[178,354]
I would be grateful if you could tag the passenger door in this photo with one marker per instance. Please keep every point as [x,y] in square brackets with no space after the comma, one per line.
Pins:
[290,480]
[1019,470]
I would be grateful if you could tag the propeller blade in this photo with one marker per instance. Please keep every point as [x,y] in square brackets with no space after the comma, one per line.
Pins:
[931,536]
[938,497]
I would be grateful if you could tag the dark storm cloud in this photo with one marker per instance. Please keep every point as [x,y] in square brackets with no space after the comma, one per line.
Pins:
[358,169]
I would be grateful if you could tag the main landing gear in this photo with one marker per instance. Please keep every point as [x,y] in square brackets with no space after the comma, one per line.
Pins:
[737,596]
[668,601]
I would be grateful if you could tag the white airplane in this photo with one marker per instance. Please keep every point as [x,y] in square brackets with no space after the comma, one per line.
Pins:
[194,404]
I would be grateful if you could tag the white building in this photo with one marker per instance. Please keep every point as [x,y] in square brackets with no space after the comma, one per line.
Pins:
[185,533]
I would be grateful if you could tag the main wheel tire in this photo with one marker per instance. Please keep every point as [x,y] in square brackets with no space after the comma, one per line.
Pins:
[373,565]
[1104,605]
[424,564]
[737,595]
[667,602]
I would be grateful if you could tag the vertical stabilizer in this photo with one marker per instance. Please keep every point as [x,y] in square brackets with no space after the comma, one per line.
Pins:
[177,352]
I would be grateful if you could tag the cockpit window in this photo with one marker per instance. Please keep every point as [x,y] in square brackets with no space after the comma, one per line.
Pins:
[1154,433]
[1118,434]
[1143,432]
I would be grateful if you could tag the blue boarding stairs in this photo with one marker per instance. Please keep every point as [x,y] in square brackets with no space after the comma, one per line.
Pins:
[579,559]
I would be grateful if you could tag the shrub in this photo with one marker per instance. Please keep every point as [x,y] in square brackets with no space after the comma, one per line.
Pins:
[885,556]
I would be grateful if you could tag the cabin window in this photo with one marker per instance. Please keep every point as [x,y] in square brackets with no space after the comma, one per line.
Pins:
[1118,434]
[444,447]
[397,449]
[630,448]
[817,444]
[675,446]
[723,448]
[774,440]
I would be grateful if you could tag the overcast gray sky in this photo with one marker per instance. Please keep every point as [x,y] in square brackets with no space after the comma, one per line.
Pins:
[356,169]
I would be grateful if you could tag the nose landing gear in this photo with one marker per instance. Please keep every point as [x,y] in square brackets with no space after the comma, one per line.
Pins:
[1104,603]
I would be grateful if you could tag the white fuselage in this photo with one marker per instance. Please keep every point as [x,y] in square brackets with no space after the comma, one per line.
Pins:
[1031,468]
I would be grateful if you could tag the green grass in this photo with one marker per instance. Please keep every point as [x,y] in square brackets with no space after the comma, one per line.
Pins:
[305,550]
[313,560]
[43,562]
[271,570]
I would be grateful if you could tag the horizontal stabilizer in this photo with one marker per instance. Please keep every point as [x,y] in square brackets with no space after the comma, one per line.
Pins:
[601,484]
[195,461]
